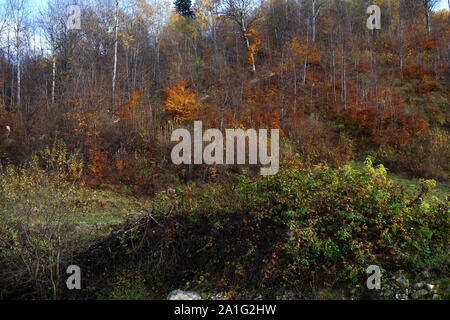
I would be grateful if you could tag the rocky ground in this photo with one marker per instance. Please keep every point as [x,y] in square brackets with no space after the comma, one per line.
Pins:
[397,287]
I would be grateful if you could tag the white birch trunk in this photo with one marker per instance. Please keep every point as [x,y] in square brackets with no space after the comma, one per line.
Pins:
[53,77]
[313,5]
[116,27]
[18,49]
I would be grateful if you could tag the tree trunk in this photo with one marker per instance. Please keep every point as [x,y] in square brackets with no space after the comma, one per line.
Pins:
[18,51]
[344,89]
[116,26]
[334,74]
[11,100]
[304,69]
[247,44]
[313,21]
[53,76]
[295,83]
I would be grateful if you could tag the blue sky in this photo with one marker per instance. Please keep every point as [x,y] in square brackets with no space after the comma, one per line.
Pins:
[35,5]
[443,5]
[41,3]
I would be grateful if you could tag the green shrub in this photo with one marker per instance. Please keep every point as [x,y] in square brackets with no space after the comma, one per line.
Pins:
[302,226]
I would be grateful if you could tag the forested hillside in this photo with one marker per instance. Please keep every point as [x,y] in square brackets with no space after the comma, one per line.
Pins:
[87,114]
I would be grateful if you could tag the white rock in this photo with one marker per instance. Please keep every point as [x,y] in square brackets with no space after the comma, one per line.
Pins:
[217,296]
[418,285]
[183,295]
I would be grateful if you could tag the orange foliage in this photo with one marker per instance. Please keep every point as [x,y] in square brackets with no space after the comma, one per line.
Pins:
[97,163]
[266,120]
[182,103]
[129,106]
[254,45]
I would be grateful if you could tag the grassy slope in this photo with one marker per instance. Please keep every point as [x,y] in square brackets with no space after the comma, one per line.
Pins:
[441,191]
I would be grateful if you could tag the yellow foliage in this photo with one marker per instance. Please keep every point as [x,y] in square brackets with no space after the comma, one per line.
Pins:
[182,102]
[254,46]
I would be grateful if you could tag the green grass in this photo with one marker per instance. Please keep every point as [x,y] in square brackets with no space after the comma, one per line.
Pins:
[441,191]
[103,209]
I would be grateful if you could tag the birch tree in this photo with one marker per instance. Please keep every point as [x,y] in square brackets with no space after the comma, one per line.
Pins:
[242,13]
[316,5]
[429,5]
[17,14]
[3,27]
[52,23]
[116,27]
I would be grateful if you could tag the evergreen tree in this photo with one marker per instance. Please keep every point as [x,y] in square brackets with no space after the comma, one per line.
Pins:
[183,8]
